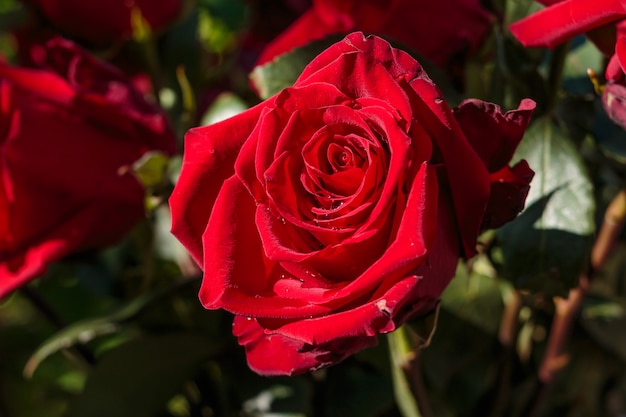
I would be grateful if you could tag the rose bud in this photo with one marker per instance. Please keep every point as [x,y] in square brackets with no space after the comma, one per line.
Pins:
[70,131]
[614,102]
[102,22]
[337,209]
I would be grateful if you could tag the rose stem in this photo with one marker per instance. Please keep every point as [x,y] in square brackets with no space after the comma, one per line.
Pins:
[554,358]
[507,335]
[42,305]
[419,389]
[612,226]
[555,74]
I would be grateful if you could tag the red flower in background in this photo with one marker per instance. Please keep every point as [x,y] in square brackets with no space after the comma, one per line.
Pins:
[439,30]
[337,209]
[102,22]
[67,132]
[602,21]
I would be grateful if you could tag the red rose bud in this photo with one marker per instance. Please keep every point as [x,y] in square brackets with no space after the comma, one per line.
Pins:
[67,131]
[102,22]
[337,209]
[438,30]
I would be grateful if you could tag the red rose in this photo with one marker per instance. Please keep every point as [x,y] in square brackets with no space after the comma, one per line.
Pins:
[564,19]
[67,132]
[101,22]
[602,21]
[439,30]
[337,209]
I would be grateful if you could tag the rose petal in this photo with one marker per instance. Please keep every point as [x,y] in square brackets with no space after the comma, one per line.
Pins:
[209,159]
[409,248]
[277,355]
[509,188]
[361,55]
[51,86]
[238,277]
[564,20]
[468,177]
[281,348]
[505,131]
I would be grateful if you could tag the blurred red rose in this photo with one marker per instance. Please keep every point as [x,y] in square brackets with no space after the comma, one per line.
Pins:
[602,21]
[563,19]
[439,30]
[68,132]
[337,209]
[102,22]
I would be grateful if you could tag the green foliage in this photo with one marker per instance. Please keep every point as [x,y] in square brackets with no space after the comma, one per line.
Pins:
[137,378]
[84,331]
[545,248]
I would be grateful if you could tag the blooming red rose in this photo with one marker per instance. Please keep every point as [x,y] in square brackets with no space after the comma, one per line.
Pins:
[68,131]
[602,21]
[439,30]
[337,209]
[101,22]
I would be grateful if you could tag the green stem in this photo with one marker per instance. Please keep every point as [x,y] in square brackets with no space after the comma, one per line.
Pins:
[42,305]
[419,388]
[507,336]
[555,74]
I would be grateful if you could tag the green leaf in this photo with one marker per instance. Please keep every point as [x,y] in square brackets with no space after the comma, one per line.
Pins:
[475,297]
[279,400]
[610,138]
[224,106]
[138,378]
[89,329]
[150,169]
[545,248]
[459,366]
[356,389]
[582,57]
